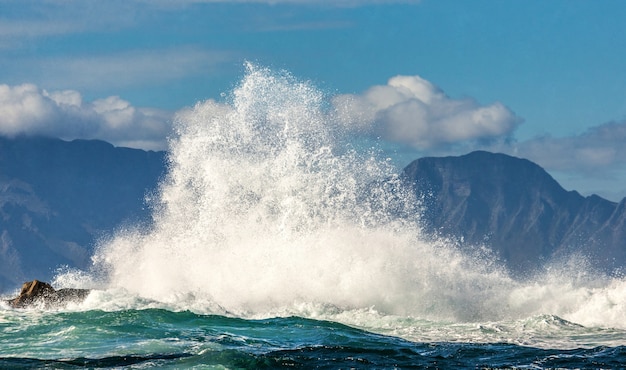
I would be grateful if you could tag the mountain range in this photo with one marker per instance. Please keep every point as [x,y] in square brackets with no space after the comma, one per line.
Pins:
[59,198]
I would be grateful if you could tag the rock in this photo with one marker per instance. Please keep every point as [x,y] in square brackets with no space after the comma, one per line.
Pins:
[43,294]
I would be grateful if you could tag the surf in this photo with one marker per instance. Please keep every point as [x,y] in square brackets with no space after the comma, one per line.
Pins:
[270,209]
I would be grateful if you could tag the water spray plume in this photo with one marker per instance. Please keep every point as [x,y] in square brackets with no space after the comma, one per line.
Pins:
[267,210]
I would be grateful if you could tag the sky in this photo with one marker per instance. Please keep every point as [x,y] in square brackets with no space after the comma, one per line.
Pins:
[541,80]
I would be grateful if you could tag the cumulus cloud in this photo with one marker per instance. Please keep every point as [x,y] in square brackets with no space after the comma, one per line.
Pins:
[412,111]
[28,110]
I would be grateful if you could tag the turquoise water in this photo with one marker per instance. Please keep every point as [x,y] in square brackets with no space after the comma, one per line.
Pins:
[149,338]
[275,243]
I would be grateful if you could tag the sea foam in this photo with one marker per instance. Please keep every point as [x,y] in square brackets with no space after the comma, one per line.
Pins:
[267,209]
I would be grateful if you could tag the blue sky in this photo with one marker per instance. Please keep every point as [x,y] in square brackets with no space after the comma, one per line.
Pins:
[543,80]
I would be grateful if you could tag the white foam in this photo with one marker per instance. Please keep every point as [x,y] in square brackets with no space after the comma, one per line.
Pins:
[266,209]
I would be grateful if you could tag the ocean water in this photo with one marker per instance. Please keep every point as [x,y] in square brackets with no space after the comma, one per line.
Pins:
[276,242]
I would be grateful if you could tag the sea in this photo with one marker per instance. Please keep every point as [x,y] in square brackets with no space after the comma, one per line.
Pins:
[277,242]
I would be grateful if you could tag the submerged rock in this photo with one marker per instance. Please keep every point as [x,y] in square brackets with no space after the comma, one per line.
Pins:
[43,294]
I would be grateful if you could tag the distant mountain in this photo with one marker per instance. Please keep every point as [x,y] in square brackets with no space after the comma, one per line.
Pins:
[57,198]
[518,210]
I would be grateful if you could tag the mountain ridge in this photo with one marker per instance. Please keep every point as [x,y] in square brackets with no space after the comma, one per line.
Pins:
[517,209]
[58,198]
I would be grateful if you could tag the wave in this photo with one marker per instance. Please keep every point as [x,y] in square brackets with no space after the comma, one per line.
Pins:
[269,209]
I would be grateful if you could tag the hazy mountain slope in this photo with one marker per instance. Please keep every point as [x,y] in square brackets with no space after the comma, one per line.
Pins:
[57,198]
[513,206]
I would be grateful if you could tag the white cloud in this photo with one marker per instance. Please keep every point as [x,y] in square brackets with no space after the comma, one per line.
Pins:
[29,110]
[598,149]
[125,69]
[33,28]
[22,21]
[333,3]
[412,111]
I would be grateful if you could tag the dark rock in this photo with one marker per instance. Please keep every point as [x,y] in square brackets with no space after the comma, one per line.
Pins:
[38,293]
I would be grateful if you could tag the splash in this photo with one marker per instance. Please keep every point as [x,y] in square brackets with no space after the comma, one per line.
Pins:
[268,210]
